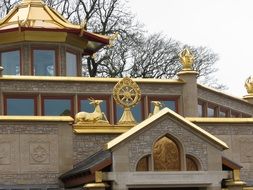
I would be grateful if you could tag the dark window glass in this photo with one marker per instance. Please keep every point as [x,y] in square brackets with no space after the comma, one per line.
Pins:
[71,64]
[20,106]
[136,111]
[87,107]
[44,62]
[11,62]
[55,107]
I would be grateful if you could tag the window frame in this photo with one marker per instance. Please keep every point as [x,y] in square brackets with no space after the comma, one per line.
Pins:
[55,49]
[162,98]
[20,57]
[55,97]
[77,62]
[21,96]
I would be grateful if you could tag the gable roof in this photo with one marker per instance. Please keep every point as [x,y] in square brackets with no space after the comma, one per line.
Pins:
[166,111]
[88,163]
[223,94]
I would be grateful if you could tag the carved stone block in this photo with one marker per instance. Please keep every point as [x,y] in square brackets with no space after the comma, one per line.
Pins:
[39,153]
[5,153]
[9,154]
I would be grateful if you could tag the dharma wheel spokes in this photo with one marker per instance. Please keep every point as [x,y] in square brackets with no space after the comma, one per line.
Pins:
[127,94]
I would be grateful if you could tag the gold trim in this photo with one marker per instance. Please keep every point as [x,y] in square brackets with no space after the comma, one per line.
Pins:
[101,130]
[37,118]
[29,11]
[219,120]
[184,72]
[153,118]
[87,79]
[95,185]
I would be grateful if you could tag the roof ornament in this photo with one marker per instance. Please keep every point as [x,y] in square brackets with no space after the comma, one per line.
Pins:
[113,38]
[187,59]
[127,94]
[83,27]
[249,85]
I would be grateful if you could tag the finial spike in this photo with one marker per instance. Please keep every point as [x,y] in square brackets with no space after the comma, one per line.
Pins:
[186,59]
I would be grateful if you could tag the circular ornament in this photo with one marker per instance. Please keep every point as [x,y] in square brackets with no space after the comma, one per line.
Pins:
[127,93]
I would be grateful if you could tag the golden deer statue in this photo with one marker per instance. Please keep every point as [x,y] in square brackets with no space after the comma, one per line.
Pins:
[92,117]
[157,107]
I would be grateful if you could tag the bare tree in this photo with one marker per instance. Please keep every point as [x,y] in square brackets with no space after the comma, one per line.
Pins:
[133,54]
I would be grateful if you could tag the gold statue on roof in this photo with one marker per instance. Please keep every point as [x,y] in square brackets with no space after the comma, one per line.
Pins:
[249,85]
[97,116]
[186,58]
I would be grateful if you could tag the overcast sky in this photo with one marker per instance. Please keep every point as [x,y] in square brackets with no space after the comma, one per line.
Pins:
[225,26]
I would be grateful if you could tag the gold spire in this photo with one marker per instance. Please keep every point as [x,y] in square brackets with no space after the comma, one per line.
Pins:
[249,85]
[31,1]
[186,59]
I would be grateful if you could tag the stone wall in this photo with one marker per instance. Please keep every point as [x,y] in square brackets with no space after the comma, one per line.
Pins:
[239,139]
[142,144]
[84,145]
[34,153]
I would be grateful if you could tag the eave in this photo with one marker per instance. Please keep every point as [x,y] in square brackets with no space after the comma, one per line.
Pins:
[220,120]
[89,42]
[166,111]
[87,79]
[37,118]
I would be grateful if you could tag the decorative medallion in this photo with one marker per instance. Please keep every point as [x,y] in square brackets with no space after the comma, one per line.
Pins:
[127,94]
[39,154]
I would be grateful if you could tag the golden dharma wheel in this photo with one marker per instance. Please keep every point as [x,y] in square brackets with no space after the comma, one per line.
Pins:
[127,93]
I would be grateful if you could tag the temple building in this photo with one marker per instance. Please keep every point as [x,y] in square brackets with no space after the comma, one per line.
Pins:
[59,130]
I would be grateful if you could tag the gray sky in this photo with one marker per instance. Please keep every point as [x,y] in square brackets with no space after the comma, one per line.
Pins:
[225,26]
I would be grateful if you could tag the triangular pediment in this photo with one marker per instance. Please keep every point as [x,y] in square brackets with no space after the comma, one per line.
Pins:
[175,120]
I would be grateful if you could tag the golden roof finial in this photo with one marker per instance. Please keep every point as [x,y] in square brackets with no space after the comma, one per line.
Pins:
[249,85]
[113,38]
[186,58]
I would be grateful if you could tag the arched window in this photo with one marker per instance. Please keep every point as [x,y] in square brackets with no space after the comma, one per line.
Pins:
[144,164]
[191,164]
[166,155]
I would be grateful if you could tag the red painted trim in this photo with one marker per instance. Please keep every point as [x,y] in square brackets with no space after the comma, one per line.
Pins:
[87,35]
[20,56]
